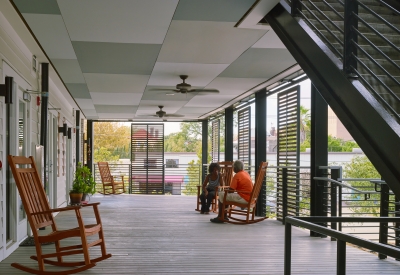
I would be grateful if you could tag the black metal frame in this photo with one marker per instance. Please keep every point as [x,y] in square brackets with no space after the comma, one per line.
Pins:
[244,135]
[229,134]
[342,238]
[342,94]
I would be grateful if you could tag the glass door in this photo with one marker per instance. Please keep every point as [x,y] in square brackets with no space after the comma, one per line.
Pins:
[18,144]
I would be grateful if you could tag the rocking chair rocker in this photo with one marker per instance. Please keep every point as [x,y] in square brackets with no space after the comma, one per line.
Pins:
[40,215]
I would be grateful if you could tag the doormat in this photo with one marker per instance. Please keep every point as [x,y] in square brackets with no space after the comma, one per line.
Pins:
[30,241]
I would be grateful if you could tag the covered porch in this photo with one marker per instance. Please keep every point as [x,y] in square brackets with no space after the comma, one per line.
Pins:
[150,234]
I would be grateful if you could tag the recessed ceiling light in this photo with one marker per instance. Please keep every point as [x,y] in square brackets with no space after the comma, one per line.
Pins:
[169,94]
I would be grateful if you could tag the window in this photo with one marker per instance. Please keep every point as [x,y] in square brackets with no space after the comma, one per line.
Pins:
[172,163]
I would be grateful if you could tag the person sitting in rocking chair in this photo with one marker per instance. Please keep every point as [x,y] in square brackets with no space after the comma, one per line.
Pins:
[241,182]
[214,179]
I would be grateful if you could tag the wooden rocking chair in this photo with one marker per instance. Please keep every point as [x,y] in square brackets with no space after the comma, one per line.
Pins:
[227,172]
[235,209]
[110,184]
[40,215]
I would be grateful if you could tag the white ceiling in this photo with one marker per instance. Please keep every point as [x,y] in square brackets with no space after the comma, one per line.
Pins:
[117,58]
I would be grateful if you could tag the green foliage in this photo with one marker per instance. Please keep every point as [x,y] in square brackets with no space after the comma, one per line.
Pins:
[111,141]
[83,181]
[361,168]
[194,174]
[334,144]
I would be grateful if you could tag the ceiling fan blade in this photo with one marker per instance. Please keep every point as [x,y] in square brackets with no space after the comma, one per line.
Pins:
[204,91]
[173,115]
[164,90]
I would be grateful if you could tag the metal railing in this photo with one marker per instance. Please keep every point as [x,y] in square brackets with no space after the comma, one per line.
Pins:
[342,238]
[181,179]
[366,38]
[287,191]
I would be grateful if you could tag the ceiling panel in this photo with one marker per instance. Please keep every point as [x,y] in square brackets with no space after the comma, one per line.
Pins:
[122,58]
[86,104]
[38,6]
[199,75]
[151,106]
[260,63]
[269,40]
[50,31]
[122,21]
[213,100]
[115,109]
[157,94]
[69,70]
[196,111]
[212,10]
[78,90]
[115,98]
[116,58]
[206,42]
[234,86]
[116,83]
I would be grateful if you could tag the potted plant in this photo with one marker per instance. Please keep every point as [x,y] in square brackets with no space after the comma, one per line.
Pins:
[83,184]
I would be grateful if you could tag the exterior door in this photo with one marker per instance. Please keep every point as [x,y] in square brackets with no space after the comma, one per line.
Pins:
[19,144]
[52,166]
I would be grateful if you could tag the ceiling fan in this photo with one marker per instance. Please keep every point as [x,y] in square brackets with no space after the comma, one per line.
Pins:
[185,88]
[163,114]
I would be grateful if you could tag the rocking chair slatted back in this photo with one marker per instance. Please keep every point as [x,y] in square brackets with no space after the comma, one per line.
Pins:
[258,183]
[31,191]
[227,171]
[105,172]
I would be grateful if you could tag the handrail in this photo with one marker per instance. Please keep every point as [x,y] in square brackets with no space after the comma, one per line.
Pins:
[342,238]
[345,185]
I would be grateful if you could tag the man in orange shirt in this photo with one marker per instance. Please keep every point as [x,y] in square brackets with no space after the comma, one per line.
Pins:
[241,183]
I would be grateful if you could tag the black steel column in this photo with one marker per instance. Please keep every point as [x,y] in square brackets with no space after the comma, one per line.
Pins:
[261,145]
[204,148]
[77,136]
[350,36]
[384,212]
[89,144]
[229,134]
[319,152]
[43,118]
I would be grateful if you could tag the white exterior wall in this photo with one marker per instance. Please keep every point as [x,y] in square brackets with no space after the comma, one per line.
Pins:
[17,46]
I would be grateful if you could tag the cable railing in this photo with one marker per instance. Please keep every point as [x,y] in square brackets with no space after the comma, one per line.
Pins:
[365,36]
[287,191]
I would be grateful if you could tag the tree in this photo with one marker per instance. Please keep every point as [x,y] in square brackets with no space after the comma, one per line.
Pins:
[362,168]
[111,141]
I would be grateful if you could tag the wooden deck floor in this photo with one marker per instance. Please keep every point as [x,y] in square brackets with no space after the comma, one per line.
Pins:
[164,235]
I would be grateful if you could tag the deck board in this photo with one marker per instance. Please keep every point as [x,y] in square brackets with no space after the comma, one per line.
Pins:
[164,235]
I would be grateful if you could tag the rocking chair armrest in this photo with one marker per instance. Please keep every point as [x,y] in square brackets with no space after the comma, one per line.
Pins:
[235,191]
[68,208]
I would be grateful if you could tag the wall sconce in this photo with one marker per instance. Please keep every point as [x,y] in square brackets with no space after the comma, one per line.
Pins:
[6,89]
[63,129]
[69,133]
[26,96]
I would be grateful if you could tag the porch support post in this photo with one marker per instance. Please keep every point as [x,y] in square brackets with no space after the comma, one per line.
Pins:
[204,148]
[229,134]
[261,144]
[89,145]
[77,136]
[43,117]
[319,152]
